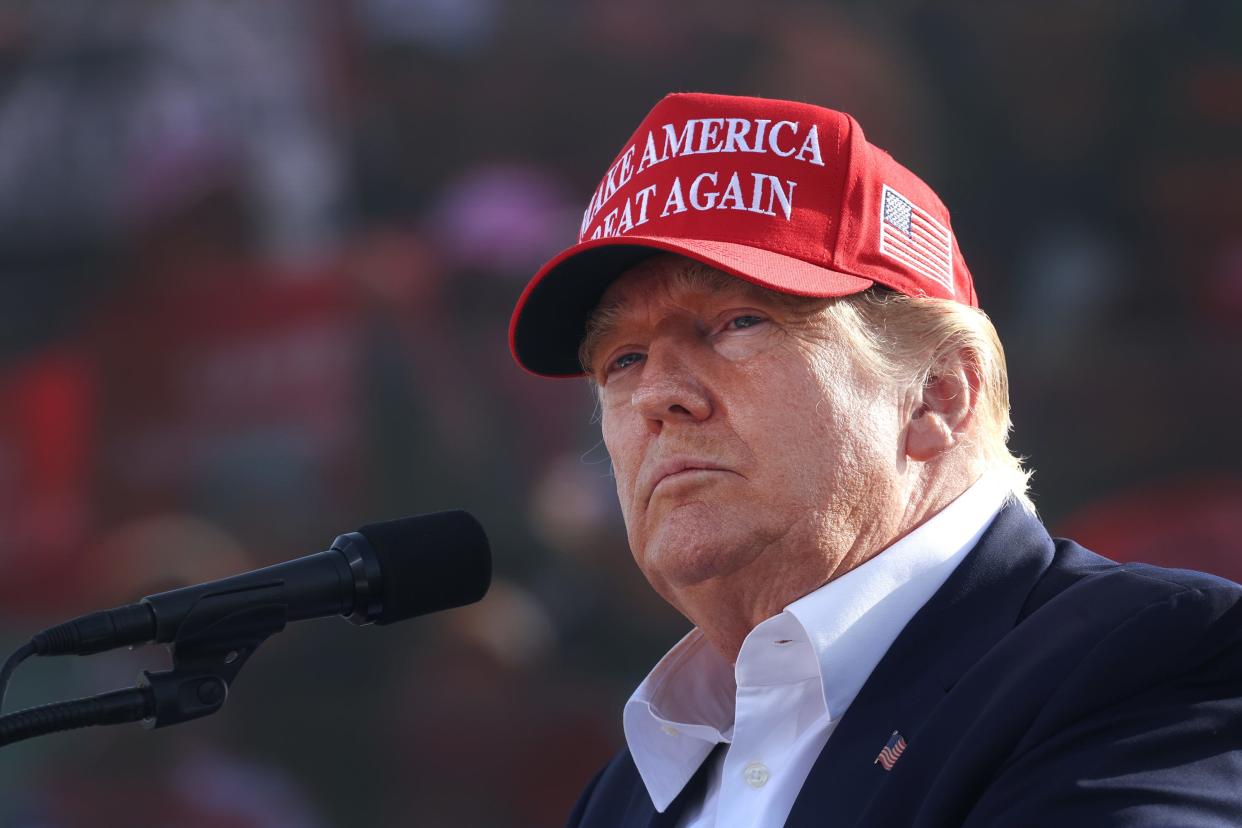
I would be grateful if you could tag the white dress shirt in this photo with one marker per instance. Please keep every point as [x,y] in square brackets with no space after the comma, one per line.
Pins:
[796,675]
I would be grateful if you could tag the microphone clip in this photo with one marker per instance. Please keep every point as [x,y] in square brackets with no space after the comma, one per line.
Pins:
[212,644]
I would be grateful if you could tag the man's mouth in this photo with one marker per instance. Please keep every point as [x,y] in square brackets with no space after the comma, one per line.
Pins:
[677,468]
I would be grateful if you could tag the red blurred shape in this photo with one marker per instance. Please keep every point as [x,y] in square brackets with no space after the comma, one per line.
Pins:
[1185,522]
[47,444]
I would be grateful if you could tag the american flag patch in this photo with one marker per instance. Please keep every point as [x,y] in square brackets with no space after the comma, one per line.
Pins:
[891,751]
[911,236]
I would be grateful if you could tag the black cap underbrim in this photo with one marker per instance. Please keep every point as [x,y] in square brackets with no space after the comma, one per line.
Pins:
[548,326]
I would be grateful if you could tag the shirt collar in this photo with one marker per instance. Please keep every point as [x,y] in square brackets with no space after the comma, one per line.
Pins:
[853,619]
[682,709]
[685,705]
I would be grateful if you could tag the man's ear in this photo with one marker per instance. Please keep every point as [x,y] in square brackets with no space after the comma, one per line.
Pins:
[943,408]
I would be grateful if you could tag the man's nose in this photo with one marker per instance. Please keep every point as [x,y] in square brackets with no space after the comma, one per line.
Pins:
[671,388]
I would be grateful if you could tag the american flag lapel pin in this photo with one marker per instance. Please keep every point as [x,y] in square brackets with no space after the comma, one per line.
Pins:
[891,752]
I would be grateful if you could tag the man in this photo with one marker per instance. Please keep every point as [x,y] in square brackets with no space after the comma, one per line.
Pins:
[807,415]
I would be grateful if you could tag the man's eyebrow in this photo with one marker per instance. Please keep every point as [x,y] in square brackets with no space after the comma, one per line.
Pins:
[604,320]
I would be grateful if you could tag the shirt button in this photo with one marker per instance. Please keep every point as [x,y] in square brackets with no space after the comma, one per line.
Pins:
[669,729]
[756,774]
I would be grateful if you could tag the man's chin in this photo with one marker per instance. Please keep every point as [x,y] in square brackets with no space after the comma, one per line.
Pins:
[693,546]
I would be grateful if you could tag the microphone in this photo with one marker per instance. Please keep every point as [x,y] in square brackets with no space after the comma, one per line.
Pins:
[382,573]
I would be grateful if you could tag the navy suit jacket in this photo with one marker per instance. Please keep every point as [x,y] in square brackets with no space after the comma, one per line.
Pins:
[1042,685]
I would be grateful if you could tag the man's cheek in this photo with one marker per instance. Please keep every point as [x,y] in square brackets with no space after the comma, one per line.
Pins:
[624,466]
[625,494]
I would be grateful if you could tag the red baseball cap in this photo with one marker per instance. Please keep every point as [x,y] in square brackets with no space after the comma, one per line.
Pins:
[787,195]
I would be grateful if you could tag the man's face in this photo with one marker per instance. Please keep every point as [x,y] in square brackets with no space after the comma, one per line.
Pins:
[751,451]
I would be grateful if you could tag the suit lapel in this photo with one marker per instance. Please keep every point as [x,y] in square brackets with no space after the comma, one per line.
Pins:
[977,605]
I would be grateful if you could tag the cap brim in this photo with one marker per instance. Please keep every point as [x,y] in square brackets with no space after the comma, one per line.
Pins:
[549,320]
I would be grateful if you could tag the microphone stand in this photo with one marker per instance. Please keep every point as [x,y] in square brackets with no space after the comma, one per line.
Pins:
[212,644]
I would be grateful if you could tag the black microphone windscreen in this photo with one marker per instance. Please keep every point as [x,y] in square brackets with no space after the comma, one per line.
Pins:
[430,563]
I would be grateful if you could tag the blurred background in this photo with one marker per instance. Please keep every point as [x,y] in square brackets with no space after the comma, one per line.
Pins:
[256,266]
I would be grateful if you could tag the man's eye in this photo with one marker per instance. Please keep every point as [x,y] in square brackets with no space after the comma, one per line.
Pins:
[624,361]
[745,321]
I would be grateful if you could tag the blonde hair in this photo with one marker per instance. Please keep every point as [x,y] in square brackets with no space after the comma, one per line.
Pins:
[903,339]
